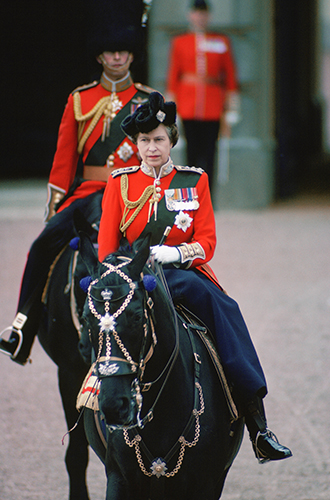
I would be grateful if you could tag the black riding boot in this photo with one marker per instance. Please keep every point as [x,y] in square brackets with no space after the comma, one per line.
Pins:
[265,444]
[19,344]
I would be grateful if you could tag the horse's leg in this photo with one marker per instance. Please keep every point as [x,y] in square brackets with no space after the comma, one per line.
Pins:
[76,458]
[92,433]
[116,488]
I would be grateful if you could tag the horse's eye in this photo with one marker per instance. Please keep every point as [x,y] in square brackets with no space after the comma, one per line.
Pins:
[136,319]
[85,322]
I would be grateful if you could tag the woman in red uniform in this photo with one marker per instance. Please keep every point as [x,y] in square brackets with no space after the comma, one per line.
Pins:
[157,194]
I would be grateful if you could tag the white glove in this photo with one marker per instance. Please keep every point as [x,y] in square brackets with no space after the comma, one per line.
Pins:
[232,118]
[165,254]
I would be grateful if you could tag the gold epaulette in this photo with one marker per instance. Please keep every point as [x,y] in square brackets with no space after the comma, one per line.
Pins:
[86,87]
[197,170]
[125,170]
[144,88]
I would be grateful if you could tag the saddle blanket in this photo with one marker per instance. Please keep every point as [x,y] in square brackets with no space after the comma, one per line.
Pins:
[90,389]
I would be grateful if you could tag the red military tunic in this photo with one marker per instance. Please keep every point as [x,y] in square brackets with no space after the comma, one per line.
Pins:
[195,225]
[201,71]
[116,153]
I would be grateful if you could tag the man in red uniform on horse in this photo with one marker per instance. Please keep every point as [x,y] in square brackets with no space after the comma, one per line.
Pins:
[89,132]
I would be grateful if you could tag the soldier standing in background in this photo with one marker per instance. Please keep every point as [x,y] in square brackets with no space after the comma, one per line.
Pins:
[202,82]
[89,132]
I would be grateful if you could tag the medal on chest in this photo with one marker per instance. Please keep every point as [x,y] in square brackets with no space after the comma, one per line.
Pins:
[113,105]
[183,221]
[181,199]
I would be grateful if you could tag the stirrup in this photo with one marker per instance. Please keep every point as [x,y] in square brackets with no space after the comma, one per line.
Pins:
[16,327]
[262,459]
[20,341]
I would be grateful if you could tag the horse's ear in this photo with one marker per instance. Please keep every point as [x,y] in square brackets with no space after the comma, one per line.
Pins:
[141,249]
[86,247]
[88,253]
[80,222]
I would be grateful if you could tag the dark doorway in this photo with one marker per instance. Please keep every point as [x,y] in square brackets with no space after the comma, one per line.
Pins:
[44,57]
[301,165]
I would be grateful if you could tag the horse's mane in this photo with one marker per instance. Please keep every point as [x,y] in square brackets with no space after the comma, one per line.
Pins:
[129,251]
[124,250]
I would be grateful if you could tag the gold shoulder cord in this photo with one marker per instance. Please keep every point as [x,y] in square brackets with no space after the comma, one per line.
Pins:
[138,204]
[106,105]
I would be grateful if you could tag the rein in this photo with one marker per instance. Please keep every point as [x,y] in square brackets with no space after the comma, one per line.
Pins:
[170,364]
[159,466]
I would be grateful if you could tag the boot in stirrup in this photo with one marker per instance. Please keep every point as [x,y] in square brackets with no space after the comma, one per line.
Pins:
[267,447]
[12,346]
[264,442]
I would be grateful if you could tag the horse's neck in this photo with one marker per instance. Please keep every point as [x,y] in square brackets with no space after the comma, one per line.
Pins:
[172,360]
[166,329]
[173,348]
[174,391]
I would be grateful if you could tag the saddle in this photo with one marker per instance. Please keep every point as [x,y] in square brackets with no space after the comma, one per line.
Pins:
[76,271]
[76,268]
[206,337]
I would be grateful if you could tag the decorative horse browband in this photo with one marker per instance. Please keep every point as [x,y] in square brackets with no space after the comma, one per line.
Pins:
[109,365]
[107,322]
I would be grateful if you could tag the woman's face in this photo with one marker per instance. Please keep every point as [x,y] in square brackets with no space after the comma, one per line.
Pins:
[154,147]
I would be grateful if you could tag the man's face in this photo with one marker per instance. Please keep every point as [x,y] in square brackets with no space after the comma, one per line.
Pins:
[116,64]
[199,19]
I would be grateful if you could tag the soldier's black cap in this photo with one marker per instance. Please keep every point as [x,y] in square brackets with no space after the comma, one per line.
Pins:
[115,25]
[199,5]
[148,116]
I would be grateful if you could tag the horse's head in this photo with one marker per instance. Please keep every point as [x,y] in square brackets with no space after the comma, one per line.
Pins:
[119,318]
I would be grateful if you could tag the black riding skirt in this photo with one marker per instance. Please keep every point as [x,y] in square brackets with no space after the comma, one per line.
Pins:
[221,314]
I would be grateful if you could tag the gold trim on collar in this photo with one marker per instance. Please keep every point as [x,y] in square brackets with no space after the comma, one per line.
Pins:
[165,169]
[117,85]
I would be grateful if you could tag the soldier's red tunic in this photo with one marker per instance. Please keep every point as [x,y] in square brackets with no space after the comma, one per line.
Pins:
[94,154]
[201,227]
[201,71]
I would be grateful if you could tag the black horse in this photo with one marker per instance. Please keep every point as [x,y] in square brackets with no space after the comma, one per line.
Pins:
[59,334]
[163,428]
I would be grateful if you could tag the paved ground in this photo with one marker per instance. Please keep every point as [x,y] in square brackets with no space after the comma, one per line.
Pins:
[275,263]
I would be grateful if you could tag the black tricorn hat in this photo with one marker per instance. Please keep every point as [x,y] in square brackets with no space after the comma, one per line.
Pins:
[115,25]
[148,116]
[199,5]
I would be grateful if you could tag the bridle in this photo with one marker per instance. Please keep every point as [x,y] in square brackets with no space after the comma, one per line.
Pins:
[107,324]
[109,365]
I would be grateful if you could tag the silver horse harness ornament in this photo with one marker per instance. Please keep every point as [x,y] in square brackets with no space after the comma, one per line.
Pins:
[108,366]
[107,323]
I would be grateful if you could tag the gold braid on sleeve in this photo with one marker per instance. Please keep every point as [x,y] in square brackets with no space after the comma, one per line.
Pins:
[138,204]
[191,251]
